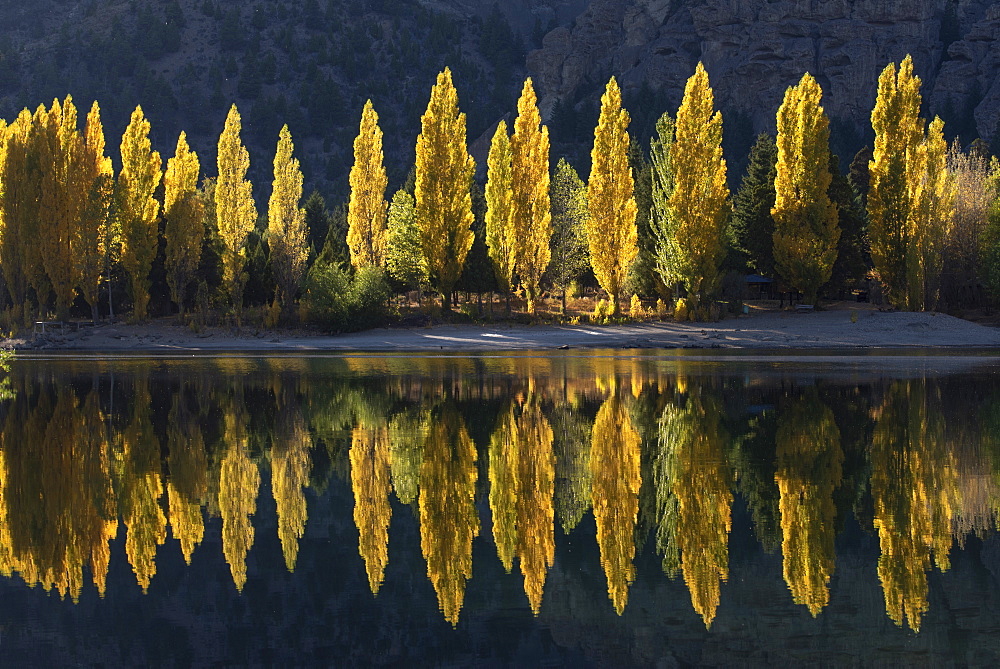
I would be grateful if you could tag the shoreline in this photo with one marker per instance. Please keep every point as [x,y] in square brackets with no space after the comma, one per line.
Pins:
[763,331]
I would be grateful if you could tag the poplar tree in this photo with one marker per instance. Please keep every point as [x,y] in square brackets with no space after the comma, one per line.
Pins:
[18,193]
[90,246]
[898,133]
[665,255]
[806,229]
[234,209]
[569,228]
[3,224]
[532,217]
[932,197]
[62,199]
[444,171]
[32,208]
[136,208]
[698,206]
[612,234]
[286,222]
[404,261]
[501,239]
[185,220]
[366,213]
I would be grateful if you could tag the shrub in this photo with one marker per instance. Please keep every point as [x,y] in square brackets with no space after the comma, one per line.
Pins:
[602,311]
[681,310]
[339,303]
[635,307]
[661,308]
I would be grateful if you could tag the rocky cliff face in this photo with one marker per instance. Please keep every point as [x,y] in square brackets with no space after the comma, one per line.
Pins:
[755,49]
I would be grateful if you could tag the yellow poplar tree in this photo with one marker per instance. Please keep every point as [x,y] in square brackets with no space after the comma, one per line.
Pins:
[449,520]
[33,207]
[443,179]
[286,222]
[614,465]
[19,192]
[530,211]
[806,224]
[90,247]
[136,208]
[366,211]
[898,134]
[932,197]
[611,232]
[63,192]
[500,237]
[808,461]
[698,206]
[185,225]
[235,211]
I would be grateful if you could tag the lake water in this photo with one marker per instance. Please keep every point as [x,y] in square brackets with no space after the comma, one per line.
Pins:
[586,509]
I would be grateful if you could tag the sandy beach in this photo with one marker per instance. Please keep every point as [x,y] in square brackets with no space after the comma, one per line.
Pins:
[762,330]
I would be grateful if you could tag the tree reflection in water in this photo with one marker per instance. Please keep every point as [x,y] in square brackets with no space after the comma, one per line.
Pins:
[523,442]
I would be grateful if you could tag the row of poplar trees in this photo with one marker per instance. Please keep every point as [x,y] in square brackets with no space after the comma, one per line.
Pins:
[533,220]
[66,221]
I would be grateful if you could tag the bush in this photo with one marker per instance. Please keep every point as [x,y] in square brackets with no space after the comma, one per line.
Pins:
[635,307]
[602,311]
[661,308]
[339,303]
[681,310]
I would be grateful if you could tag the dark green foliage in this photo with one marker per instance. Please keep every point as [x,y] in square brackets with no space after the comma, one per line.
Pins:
[477,275]
[859,176]
[853,258]
[751,225]
[643,278]
[317,220]
[337,302]
[335,249]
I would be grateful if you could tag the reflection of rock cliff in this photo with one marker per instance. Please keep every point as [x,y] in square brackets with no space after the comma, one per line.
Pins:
[755,50]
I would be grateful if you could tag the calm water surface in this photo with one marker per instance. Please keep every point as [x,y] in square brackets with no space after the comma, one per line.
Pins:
[588,509]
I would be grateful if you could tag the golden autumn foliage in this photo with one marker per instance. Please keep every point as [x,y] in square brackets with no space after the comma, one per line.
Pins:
[370,481]
[184,212]
[136,209]
[531,215]
[911,196]
[187,486]
[235,212]
[808,470]
[239,481]
[366,211]
[286,222]
[695,498]
[806,225]
[612,233]
[448,517]
[444,171]
[290,468]
[522,485]
[699,202]
[915,494]
[932,197]
[500,234]
[63,197]
[614,465]
[145,522]
[92,244]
